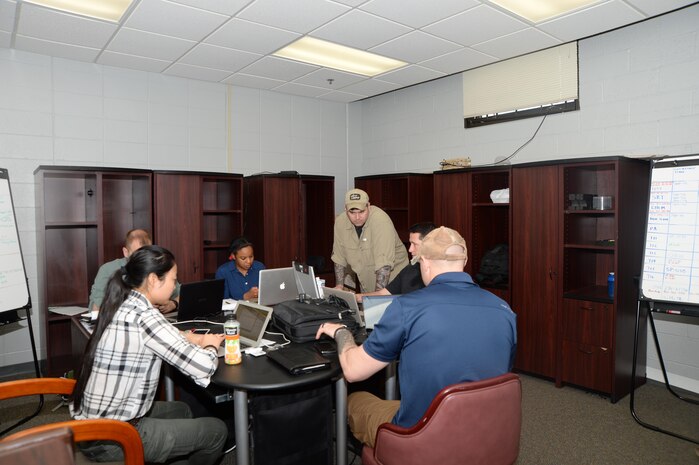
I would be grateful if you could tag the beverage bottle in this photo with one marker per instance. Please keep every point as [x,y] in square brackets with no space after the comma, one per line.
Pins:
[610,285]
[231,331]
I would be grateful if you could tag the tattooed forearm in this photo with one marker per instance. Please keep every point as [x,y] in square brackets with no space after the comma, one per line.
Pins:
[339,274]
[382,275]
[344,340]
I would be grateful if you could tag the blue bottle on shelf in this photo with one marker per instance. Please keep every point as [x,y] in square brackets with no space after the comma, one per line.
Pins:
[610,285]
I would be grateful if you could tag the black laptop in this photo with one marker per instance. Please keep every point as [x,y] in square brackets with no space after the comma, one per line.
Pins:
[200,300]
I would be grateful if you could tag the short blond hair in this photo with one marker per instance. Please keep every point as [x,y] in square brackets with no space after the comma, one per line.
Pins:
[137,235]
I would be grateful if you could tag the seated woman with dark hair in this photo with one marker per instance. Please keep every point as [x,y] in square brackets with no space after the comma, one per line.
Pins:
[242,272]
[121,367]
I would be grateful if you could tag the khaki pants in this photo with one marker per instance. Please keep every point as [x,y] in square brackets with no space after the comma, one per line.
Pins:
[366,412]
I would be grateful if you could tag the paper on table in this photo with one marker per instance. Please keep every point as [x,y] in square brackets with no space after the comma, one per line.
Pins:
[68,311]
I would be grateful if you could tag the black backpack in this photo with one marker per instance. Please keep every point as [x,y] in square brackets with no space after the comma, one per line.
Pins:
[495,269]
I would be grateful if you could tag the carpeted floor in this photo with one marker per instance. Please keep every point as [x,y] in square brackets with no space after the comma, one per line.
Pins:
[564,426]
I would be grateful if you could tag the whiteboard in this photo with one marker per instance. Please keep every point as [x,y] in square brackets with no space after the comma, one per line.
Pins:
[14,289]
[671,251]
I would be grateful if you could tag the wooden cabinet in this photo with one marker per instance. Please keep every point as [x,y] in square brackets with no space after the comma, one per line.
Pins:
[569,327]
[535,263]
[83,215]
[407,198]
[196,215]
[462,202]
[291,218]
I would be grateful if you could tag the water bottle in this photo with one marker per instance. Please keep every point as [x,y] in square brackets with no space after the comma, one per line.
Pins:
[610,285]
[231,331]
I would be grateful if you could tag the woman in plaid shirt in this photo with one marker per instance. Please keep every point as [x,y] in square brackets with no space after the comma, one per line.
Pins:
[121,367]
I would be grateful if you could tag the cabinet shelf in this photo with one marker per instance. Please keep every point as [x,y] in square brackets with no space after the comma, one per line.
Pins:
[222,212]
[216,245]
[491,205]
[602,248]
[610,212]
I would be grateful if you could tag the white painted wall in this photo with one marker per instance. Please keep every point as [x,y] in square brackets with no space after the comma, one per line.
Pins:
[639,96]
[60,112]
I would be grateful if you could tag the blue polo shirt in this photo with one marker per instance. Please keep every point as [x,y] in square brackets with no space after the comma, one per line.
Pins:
[237,284]
[449,332]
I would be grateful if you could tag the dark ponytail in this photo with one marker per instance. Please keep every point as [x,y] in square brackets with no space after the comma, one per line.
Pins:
[143,262]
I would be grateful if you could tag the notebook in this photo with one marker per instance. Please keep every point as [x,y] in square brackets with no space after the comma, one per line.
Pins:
[277,285]
[347,297]
[374,307]
[253,319]
[200,300]
[305,280]
[299,359]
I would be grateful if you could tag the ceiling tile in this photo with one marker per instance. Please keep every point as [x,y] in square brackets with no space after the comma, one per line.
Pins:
[251,37]
[55,49]
[132,62]
[476,25]
[517,43]
[415,47]
[211,56]
[146,44]
[410,75]
[589,21]
[360,30]
[300,89]
[458,61]
[173,19]
[197,72]
[46,24]
[225,7]
[371,87]
[654,7]
[299,15]
[342,97]
[279,68]
[417,13]
[7,15]
[246,80]
[319,78]
[5,38]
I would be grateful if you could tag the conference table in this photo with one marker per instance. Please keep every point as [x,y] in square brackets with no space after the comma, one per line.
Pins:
[263,375]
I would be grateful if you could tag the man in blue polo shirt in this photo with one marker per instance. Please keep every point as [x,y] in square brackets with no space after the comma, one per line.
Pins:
[449,332]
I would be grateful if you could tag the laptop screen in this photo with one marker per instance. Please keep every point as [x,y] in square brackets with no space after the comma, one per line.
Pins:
[374,308]
[253,319]
[305,280]
[277,285]
[200,300]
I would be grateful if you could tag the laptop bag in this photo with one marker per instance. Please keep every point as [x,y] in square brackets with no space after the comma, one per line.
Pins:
[299,321]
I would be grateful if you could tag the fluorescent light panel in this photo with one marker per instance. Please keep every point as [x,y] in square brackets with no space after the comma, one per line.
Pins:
[108,10]
[330,55]
[540,10]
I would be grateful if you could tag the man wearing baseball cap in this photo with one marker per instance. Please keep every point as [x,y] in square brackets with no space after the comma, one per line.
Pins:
[366,244]
[451,331]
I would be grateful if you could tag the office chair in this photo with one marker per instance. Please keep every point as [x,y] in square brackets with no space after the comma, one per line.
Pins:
[467,423]
[54,447]
[83,430]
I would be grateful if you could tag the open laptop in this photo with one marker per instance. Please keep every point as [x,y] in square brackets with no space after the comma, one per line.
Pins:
[277,285]
[253,319]
[305,280]
[200,300]
[374,308]
[347,297]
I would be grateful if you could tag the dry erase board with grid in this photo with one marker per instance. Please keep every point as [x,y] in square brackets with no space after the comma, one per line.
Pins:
[671,252]
[14,290]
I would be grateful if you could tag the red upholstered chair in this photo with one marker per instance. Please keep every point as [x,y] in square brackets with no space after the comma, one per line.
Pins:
[466,423]
[83,430]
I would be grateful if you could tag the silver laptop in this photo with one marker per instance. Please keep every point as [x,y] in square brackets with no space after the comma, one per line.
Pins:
[276,285]
[305,280]
[374,308]
[347,297]
[253,319]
